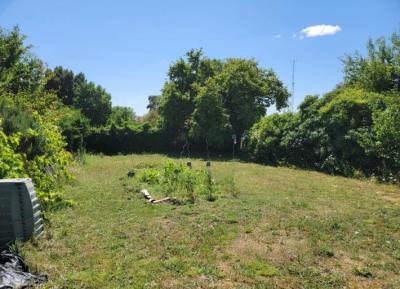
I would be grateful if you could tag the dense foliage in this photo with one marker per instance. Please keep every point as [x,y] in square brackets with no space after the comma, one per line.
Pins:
[203,103]
[75,91]
[31,144]
[43,114]
[126,139]
[208,100]
[353,130]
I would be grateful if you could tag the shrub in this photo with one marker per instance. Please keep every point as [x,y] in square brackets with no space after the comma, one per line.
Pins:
[189,181]
[11,163]
[348,132]
[31,144]
[209,186]
[37,153]
[150,176]
[231,187]
[265,138]
[126,139]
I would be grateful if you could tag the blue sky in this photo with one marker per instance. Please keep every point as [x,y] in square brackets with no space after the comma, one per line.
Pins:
[127,46]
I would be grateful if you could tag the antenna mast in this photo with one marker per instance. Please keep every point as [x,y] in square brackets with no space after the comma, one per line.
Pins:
[291,102]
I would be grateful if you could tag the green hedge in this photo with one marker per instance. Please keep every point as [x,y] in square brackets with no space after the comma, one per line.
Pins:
[348,132]
[126,139]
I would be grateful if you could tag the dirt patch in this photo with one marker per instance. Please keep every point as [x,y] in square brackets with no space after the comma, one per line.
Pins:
[392,197]
[225,267]
[244,247]
[286,250]
[358,283]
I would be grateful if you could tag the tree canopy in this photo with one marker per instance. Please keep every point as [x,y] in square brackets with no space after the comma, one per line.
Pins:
[74,90]
[214,98]
[379,70]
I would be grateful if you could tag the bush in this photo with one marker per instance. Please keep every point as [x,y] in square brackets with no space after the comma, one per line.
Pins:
[126,139]
[347,132]
[265,138]
[382,142]
[74,127]
[11,164]
[46,160]
[37,153]
[31,144]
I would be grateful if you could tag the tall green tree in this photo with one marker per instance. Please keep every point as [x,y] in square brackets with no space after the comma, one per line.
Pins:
[179,92]
[20,71]
[247,90]
[94,102]
[62,82]
[210,118]
[354,129]
[121,116]
[74,90]
[202,92]
[31,142]
[379,70]
[154,102]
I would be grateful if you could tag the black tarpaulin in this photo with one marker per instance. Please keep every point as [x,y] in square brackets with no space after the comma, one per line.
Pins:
[14,273]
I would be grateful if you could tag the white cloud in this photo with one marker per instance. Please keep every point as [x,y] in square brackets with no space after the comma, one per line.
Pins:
[278,36]
[320,30]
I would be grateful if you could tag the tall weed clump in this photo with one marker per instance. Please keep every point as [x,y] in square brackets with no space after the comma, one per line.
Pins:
[209,186]
[177,180]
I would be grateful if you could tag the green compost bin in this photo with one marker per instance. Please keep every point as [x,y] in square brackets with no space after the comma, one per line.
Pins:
[20,214]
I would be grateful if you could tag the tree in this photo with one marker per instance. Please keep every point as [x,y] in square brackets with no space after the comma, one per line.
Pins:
[239,89]
[382,142]
[265,138]
[305,140]
[62,82]
[154,102]
[247,90]
[210,119]
[20,71]
[30,138]
[121,116]
[379,71]
[74,126]
[94,102]
[179,92]
[75,91]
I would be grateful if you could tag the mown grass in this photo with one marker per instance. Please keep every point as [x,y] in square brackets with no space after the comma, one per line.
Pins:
[282,228]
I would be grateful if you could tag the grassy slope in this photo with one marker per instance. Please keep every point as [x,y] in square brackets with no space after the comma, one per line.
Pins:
[287,229]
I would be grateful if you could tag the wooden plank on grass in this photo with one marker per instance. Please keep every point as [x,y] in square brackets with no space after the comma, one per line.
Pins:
[148,197]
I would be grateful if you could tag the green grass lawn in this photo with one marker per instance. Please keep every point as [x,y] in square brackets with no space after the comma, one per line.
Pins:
[286,229]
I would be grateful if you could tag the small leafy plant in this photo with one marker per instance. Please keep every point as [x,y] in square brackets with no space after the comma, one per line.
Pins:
[231,187]
[210,186]
[150,176]
[363,272]
[189,182]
